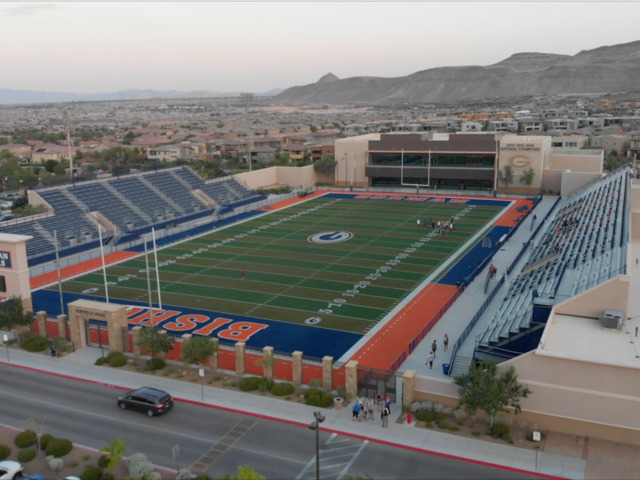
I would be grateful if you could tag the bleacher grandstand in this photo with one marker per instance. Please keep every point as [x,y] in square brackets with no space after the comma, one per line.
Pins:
[583,244]
[124,207]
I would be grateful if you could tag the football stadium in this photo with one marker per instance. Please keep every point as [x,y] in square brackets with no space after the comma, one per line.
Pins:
[357,279]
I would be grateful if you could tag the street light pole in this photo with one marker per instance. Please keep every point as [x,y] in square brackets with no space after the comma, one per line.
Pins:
[315,425]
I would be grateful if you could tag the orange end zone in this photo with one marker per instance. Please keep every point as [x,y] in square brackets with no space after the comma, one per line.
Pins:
[509,218]
[84,267]
[291,201]
[389,342]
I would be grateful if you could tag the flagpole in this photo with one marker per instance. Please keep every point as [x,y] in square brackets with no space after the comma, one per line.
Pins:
[155,256]
[104,270]
[146,263]
[55,239]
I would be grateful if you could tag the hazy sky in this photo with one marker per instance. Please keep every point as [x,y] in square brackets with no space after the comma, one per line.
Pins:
[90,47]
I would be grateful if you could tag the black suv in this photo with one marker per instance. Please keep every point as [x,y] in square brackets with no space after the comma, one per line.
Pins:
[148,399]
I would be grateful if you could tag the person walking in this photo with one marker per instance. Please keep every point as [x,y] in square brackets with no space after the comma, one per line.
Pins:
[54,352]
[242,273]
[430,360]
[446,342]
[369,404]
[434,347]
[387,404]
[363,407]
[384,416]
[379,401]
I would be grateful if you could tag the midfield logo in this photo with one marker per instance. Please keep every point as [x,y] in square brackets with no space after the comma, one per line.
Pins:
[330,237]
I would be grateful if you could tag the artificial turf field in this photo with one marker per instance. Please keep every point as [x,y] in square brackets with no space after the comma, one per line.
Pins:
[318,274]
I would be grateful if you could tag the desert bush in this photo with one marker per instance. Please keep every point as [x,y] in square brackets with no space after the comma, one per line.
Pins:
[103,461]
[44,440]
[100,361]
[116,359]
[61,344]
[318,398]
[107,476]
[425,415]
[59,447]
[35,344]
[156,363]
[91,472]
[282,389]
[501,430]
[26,439]
[139,466]
[249,384]
[55,464]
[5,451]
[315,383]
[264,384]
[26,455]
[184,474]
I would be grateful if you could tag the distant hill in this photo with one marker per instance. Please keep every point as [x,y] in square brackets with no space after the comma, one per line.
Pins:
[8,96]
[602,70]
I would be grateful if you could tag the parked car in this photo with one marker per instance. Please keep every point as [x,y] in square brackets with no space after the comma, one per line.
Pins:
[10,470]
[147,399]
[6,216]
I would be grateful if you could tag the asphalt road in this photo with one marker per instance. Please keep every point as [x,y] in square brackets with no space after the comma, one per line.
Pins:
[211,440]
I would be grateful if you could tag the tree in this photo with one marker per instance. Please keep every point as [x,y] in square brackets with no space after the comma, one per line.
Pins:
[527,177]
[245,472]
[611,162]
[326,165]
[505,176]
[50,165]
[114,451]
[156,342]
[12,314]
[197,350]
[482,389]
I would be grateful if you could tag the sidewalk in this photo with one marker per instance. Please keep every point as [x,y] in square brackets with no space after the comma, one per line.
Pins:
[80,365]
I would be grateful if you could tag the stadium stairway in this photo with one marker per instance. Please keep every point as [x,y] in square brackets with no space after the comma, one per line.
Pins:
[457,318]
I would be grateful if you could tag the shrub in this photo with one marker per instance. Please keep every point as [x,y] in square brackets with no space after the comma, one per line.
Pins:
[500,430]
[5,451]
[156,363]
[59,447]
[26,455]
[91,472]
[35,344]
[117,360]
[103,461]
[139,466]
[44,440]
[184,474]
[249,384]
[425,415]
[100,361]
[61,344]
[107,476]
[203,477]
[315,383]
[318,398]
[282,389]
[55,464]
[26,439]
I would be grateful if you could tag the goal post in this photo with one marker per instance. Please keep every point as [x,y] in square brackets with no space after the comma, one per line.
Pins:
[417,185]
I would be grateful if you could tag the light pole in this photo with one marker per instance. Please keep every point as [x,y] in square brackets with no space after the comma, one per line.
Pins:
[315,425]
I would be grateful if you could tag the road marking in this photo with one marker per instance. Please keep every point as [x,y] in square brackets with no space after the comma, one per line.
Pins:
[336,458]
[223,445]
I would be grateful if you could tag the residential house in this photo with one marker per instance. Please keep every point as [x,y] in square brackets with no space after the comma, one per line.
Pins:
[23,152]
[319,150]
[619,143]
[569,141]
[296,152]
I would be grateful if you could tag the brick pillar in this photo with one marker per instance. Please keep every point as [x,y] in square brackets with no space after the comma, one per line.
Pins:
[185,338]
[296,366]
[41,321]
[137,350]
[213,359]
[408,387]
[240,360]
[351,378]
[327,373]
[62,326]
[267,362]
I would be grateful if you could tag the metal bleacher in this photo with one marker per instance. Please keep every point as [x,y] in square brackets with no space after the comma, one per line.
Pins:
[131,203]
[583,245]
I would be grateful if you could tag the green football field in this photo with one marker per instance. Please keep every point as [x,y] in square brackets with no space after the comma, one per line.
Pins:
[349,285]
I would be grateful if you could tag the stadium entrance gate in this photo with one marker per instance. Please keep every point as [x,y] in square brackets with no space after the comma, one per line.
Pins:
[372,381]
